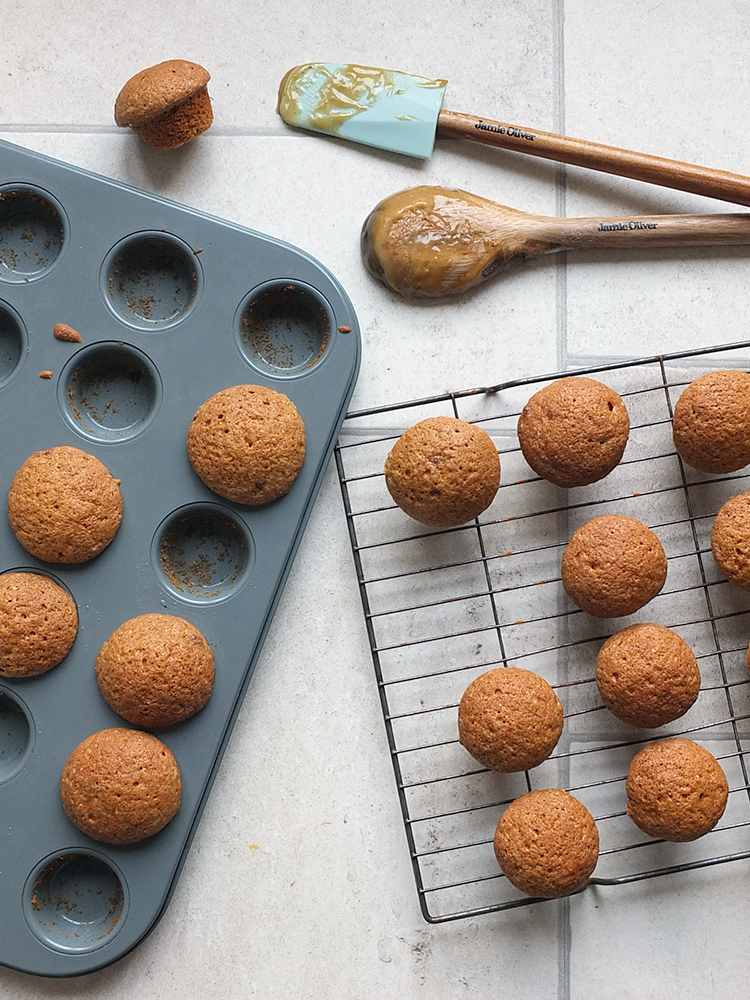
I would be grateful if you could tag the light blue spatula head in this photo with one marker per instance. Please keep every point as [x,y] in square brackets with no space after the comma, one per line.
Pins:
[377,107]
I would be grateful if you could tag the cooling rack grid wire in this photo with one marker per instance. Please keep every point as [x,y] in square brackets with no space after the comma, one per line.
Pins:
[443,606]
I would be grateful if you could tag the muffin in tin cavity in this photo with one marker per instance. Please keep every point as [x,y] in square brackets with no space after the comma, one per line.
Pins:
[247,444]
[155,670]
[120,786]
[509,719]
[166,105]
[547,843]
[676,790]
[443,471]
[711,425]
[613,565]
[38,624]
[730,540]
[64,505]
[573,432]
[647,675]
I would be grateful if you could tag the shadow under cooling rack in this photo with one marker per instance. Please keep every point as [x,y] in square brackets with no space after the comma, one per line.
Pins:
[442,606]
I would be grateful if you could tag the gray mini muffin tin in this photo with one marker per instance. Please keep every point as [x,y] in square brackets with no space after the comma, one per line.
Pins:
[172,305]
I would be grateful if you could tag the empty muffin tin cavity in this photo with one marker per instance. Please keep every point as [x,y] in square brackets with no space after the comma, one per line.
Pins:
[202,553]
[74,901]
[151,280]
[16,735]
[109,392]
[32,233]
[283,328]
[12,342]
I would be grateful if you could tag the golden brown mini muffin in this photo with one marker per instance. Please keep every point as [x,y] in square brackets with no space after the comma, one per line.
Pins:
[247,444]
[547,843]
[730,540]
[64,506]
[573,432]
[167,105]
[120,786]
[38,624]
[443,471]
[613,565]
[711,426]
[509,719]
[676,790]
[647,675]
[155,670]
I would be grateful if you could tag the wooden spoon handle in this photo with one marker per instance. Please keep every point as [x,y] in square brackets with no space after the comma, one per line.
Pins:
[644,231]
[705,181]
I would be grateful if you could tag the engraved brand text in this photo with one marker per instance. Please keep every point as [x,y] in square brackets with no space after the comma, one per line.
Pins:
[607,227]
[505,130]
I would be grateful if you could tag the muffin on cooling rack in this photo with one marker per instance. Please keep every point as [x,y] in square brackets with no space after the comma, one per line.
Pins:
[247,443]
[120,786]
[547,843]
[443,471]
[167,105]
[647,675]
[155,670]
[613,565]
[730,540]
[676,790]
[38,624]
[64,506]
[711,425]
[509,719]
[574,431]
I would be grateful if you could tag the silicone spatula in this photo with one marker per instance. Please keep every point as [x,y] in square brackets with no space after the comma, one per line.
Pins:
[402,113]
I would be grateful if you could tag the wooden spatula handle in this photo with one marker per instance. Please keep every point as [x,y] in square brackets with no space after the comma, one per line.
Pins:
[721,184]
[641,231]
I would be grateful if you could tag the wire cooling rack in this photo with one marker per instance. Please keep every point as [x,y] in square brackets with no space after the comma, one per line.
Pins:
[443,606]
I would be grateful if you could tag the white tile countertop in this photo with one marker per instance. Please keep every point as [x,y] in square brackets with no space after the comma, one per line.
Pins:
[299,882]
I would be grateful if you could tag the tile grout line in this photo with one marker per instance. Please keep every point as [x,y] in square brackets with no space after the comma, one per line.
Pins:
[561,327]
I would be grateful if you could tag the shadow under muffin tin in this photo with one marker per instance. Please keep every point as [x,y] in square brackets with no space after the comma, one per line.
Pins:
[172,305]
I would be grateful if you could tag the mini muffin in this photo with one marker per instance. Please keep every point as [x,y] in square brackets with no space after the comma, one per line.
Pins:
[547,843]
[155,670]
[247,444]
[64,506]
[443,471]
[38,624]
[613,565]
[730,540]
[711,426]
[120,786]
[676,790]
[509,719]
[167,105]
[647,675]
[573,432]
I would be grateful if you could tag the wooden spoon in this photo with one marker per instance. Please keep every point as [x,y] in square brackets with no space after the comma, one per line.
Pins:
[434,241]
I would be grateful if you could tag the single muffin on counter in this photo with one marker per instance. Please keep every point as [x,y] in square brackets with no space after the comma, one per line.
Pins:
[613,565]
[64,506]
[120,786]
[155,670]
[167,105]
[711,425]
[509,719]
[443,471]
[573,432]
[38,624]
[676,790]
[647,675]
[547,843]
